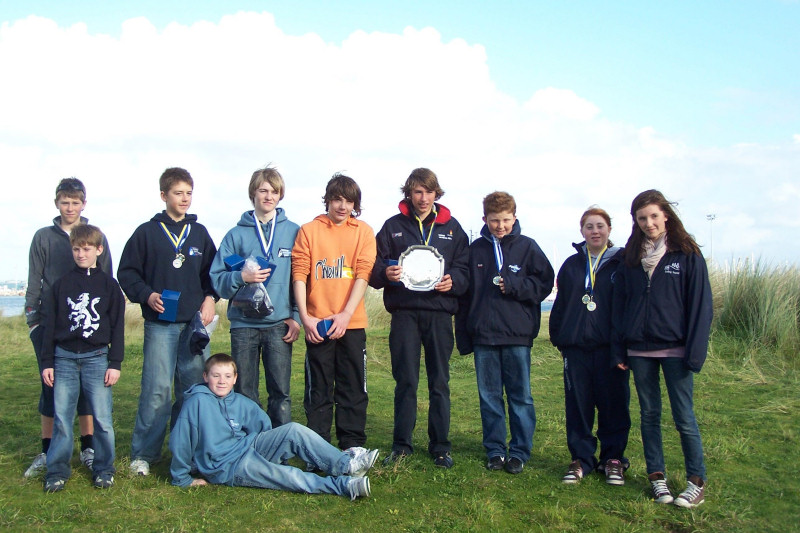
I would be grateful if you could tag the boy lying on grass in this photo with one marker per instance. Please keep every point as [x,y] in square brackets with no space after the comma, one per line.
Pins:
[229,440]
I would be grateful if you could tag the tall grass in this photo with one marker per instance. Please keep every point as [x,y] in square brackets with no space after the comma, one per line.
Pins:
[757,306]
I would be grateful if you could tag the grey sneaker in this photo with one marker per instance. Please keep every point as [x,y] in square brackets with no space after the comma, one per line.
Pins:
[362,460]
[574,473]
[661,493]
[140,467]
[87,458]
[54,485]
[358,488]
[394,457]
[38,465]
[694,494]
[615,472]
[104,482]
[514,465]
[443,460]
[496,463]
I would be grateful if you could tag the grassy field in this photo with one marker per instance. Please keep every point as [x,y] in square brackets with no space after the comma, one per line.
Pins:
[746,402]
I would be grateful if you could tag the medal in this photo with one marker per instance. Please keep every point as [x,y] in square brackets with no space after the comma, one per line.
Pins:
[591,269]
[177,242]
[591,306]
[178,261]
[496,280]
[585,300]
[498,260]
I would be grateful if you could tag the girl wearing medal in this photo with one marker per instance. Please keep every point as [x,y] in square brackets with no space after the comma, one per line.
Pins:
[663,311]
[580,327]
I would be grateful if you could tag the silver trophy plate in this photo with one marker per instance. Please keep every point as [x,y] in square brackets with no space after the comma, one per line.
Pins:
[423,267]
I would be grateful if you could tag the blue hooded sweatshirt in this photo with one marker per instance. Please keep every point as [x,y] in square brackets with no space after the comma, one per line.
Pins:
[215,433]
[243,240]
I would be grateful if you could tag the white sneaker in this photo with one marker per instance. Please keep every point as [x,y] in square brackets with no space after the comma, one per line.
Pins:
[694,494]
[658,484]
[140,467]
[87,458]
[38,465]
[362,461]
[358,487]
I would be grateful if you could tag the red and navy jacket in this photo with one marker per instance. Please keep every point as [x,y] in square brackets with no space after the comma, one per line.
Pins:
[449,239]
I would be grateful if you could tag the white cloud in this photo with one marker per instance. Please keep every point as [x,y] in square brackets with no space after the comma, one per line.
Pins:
[222,99]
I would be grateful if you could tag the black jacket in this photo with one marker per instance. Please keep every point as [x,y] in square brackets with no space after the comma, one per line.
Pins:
[670,309]
[572,325]
[511,318]
[146,265]
[402,231]
[84,311]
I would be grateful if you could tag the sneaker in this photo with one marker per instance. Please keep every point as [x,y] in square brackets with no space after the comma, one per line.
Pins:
[443,460]
[615,472]
[694,494]
[394,457]
[574,473]
[87,458]
[362,461]
[661,493]
[514,465]
[358,488]
[38,465]
[140,467]
[104,482]
[54,485]
[496,463]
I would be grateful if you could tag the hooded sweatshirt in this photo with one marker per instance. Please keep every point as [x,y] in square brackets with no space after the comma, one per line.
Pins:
[214,433]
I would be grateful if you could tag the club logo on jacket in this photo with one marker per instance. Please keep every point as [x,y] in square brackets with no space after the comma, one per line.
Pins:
[195,251]
[284,252]
[83,315]
[336,271]
[673,268]
[397,235]
[514,268]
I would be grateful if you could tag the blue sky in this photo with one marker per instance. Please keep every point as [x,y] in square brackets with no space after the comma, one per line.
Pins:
[564,104]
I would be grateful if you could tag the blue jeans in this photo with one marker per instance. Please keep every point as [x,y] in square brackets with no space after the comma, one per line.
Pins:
[72,376]
[46,397]
[167,360]
[261,466]
[509,368]
[276,355]
[680,386]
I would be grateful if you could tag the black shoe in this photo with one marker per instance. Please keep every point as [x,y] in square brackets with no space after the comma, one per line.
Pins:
[514,466]
[443,460]
[496,463]
[394,457]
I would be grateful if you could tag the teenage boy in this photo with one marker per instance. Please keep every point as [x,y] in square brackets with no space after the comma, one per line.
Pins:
[229,440]
[331,264]
[169,252]
[262,232]
[50,258]
[82,350]
[509,278]
[421,318]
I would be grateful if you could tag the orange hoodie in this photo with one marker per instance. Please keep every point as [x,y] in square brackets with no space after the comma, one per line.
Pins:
[329,258]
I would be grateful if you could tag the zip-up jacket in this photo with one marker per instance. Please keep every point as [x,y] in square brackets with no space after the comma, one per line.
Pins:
[572,325]
[672,308]
[84,311]
[146,265]
[243,240]
[511,318]
[50,258]
[402,231]
[213,434]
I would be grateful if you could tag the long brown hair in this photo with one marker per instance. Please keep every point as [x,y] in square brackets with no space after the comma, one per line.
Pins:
[677,236]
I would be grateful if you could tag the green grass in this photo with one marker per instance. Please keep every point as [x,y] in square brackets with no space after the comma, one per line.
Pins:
[747,414]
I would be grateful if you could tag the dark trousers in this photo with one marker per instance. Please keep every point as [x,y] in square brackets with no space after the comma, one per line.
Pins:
[410,331]
[336,373]
[591,383]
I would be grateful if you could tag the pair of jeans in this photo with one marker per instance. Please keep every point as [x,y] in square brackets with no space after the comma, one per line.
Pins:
[74,374]
[680,389]
[336,374]
[168,360]
[248,345]
[590,382]
[505,367]
[410,331]
[261,466]
[46,407]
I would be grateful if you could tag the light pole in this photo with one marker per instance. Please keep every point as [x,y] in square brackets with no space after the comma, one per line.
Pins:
[710,219]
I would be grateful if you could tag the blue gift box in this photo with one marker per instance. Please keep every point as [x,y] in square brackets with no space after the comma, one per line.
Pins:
[170,301]
[264,263]
[234,262]
[323,326]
